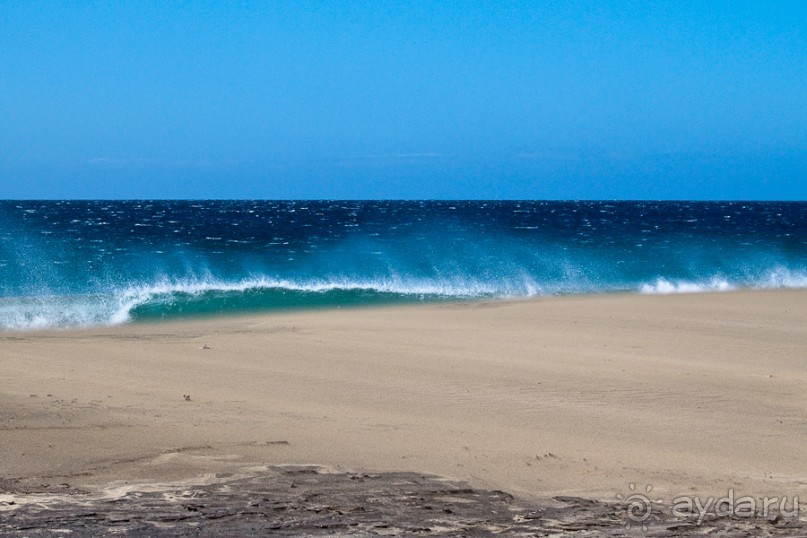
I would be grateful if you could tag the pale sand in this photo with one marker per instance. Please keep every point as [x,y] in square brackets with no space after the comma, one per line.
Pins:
[573,395]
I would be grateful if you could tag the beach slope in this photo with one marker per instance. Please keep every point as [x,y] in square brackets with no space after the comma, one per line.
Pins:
[692,394]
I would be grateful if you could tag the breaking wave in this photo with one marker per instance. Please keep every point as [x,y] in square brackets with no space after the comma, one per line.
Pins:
[197,297]
[83,263]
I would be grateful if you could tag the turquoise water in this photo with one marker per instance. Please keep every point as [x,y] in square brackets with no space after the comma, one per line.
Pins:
[88,263]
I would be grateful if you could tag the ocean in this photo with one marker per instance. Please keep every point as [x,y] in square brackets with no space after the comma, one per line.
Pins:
[92,263]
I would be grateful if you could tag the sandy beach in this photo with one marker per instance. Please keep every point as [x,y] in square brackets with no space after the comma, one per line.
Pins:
[692,394]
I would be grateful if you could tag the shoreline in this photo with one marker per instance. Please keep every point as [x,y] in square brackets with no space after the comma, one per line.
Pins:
[573,395]
[202,316]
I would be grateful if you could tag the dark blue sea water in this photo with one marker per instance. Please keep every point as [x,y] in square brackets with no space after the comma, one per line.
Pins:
[81,263]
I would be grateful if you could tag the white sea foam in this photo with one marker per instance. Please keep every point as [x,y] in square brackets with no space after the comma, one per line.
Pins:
[782,277]
[662,286]
[117,306]
[53,311]
[438,287]
[777,277]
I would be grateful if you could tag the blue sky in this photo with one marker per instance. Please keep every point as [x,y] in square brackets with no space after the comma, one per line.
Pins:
[571,100]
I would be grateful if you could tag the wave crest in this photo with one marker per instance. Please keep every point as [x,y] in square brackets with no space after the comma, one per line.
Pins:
[778,277]
[166,298]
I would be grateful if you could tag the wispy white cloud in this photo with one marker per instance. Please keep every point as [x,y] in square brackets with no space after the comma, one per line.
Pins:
[115,162]
[391,158]
[395,156]
[571,154]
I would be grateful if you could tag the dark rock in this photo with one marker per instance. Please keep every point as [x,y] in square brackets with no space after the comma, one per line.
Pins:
[327,504]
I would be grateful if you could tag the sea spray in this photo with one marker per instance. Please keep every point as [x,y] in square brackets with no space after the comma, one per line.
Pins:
[89,263]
